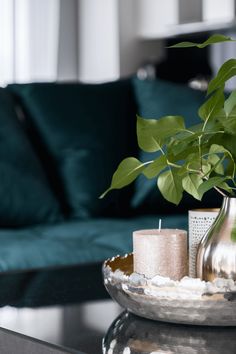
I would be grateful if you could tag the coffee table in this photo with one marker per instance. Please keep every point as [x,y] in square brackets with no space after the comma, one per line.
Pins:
[72,328]
[103,327]
[11,342]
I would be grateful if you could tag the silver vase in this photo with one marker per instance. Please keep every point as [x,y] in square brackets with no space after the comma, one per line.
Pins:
[216,256]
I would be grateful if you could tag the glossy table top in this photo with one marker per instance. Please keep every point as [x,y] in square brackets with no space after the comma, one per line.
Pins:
[103,327]
[12,342]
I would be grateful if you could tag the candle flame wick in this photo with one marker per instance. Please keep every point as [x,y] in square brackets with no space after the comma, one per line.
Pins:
[159,225]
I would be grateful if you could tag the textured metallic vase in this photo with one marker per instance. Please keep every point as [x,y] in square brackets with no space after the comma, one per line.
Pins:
[216,257]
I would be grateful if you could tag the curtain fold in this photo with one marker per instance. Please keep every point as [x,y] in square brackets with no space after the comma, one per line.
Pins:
[29,39]
[6,41]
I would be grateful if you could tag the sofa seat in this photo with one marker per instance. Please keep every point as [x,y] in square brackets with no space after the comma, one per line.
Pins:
[61,263]
[60,144]
[74,242]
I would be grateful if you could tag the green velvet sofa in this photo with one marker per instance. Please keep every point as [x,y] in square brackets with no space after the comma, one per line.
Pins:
[59,146]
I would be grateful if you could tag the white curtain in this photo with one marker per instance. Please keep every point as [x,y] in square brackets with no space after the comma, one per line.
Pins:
[6,41]
[29,36]
[98,38]
[55,40]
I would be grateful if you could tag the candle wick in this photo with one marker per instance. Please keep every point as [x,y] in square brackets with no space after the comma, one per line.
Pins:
[159,225]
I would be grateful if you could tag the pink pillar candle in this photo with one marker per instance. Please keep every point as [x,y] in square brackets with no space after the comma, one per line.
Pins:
[160,252]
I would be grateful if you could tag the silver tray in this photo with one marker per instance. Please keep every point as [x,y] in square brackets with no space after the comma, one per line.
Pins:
[218,309]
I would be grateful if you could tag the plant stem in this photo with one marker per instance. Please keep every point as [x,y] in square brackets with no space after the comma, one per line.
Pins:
[216,188]
[173,164]
[188,131]
[205,123]
[200,151]
[220,191]
[162,151]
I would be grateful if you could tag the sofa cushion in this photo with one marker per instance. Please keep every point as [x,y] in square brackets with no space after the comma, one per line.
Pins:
[25,196]
[74,242]
[155,99]
[158,98]
[87,130]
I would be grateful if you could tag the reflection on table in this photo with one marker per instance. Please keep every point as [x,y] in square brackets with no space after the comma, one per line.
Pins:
[130,334]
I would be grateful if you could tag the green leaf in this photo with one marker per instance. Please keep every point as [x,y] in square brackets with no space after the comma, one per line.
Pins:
[147,139]
[128,170]
[230,103]
[229,123]
[226,187]
[179,144]
[218,149]
[227,70]
[194,162]
[152,133]
[211,183]
[155,167]
[217,122]
[214,39]
[183,155]
[233,233]
[212,106]
[228,141]
[170,186]
[230,168]
[213,168]
[191,183]
[206,167]
[216,164]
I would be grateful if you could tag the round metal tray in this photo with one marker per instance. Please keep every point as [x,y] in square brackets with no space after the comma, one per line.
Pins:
[218,309]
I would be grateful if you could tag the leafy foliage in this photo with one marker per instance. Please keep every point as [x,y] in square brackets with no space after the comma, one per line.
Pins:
[153,133]
[196,159]
[129,169]
[226,72]
[215,38]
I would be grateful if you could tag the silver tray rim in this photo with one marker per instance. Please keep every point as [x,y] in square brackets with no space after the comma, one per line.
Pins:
[217,309]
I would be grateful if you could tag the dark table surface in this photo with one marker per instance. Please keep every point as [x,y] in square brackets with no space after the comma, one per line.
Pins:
[12,342]
[103,327]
